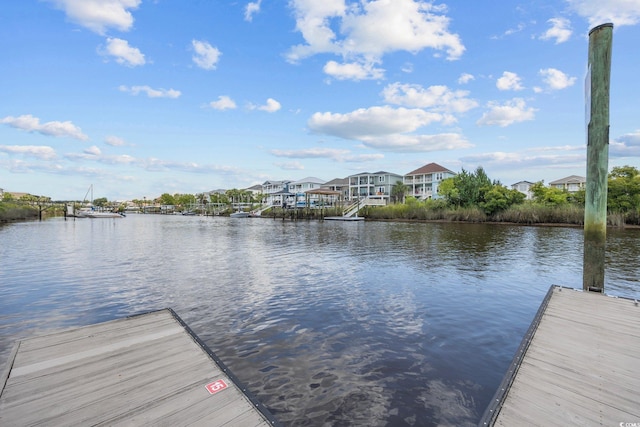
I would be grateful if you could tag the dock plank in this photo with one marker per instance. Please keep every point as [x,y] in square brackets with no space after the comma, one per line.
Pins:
[146,369]
[581,366]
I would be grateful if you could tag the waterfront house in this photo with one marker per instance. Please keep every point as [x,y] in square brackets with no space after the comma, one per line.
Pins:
[423,182]
[524,187]
[373,185]
[340,185]
[571,183]
[276,192]
[301,186]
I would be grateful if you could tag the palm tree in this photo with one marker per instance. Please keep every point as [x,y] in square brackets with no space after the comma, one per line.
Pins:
[398,191]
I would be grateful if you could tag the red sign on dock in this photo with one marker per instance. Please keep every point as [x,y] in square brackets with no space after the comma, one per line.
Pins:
[216,386]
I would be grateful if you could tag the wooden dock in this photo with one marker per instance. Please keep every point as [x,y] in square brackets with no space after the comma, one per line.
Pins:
[149,369]
[579,364]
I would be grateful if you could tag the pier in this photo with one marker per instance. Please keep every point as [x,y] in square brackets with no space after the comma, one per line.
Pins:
[578,364]
[148,369]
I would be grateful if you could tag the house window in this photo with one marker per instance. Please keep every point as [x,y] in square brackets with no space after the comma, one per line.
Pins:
[381,179]
[380,190]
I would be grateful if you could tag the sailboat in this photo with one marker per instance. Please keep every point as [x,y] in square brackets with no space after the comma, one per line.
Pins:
[90,212]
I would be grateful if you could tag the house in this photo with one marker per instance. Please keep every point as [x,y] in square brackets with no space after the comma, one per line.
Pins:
[524,187]
[423,182]
[571,183]
[338,184]
[276,192]
[300,187]
[372,185]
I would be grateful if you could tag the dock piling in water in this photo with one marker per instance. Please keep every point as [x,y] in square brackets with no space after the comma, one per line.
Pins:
[597,109]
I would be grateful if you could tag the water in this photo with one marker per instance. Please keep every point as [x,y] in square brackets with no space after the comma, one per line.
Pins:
[328,323]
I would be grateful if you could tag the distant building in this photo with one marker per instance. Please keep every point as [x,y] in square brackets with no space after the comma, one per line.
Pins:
[300,187]
[524,187]
[571,183]
[423,182]
[373,185]
[338,184]
[276,192]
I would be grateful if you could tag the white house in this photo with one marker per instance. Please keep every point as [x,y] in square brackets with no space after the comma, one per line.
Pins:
[571,183]
[524,187]
[423,182]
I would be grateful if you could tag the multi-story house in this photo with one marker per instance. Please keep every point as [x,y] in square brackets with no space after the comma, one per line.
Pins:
[338,184]
[372,185]
[300,187]
[423,182]
[571,183]
[524,187]
[276,192]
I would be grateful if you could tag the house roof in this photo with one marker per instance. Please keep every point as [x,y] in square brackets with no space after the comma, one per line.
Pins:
[573,179]
[523,182]
[336,182]
[311,179]
[430,168]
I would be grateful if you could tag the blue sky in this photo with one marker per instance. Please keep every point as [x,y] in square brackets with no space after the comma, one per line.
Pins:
[141,97]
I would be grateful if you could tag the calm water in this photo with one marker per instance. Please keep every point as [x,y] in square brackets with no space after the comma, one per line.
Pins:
[328,323]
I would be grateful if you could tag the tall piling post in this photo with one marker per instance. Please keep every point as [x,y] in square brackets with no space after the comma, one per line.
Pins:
[597,110]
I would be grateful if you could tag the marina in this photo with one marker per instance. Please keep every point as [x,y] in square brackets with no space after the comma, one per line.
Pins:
[578,364]
[147,369]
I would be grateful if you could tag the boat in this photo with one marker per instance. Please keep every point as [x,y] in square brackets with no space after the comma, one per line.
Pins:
[239,214]
[89,211]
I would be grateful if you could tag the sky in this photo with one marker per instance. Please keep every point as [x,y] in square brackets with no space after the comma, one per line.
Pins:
[140,98]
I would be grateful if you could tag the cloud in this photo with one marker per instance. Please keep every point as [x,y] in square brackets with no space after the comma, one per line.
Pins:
[290,166]
[365,34]
[223,103]
[509,81]
[122,52]
[556,79]
[619,12]
[437,98]
[506,114]
[99,15]
[251,9]
[42,152]
[151,93]
[387,128]
[32,124]
[560,30]
[206,56]
[627,145]
[270,107]
[114,141]
[522,161]
[353,71]
[327,153]
[465,78]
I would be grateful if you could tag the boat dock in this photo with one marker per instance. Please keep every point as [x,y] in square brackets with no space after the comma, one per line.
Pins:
[578,364]
[149,369]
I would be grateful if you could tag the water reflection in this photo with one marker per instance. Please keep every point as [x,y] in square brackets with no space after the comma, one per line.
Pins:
[328,323]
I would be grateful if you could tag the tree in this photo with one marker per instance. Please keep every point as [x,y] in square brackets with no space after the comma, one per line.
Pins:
[167,199]
[100,202]
[624,189]
[466,188]
[549,196]
[498,198]
[398,191]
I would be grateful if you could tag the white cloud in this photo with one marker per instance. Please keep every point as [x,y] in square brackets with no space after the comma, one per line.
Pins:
[290,166]
[99,15]
[353,71]
[560,30]
[114,141]
[122,52]
[556,79]
[151,93]
[627,145]
[32,124]
[522,161]
[506,114]
[387,128]
[223,103]
[436,98]
[251,9]
[365,34]
[271,106]
[42,152]
[509,81]
[338,155]
[465,78]
[619,12]
[206,56]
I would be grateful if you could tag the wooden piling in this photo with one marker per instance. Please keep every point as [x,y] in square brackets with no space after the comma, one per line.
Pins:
[595,215]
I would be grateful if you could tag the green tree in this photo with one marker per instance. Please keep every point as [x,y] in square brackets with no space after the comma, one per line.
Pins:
[549,196]
[624,189]
[100,202]
[498,198]
[167,199]
[466,188]
[398,191]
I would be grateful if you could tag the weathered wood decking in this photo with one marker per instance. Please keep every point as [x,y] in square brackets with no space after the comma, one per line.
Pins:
[578,365]
[143,370]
